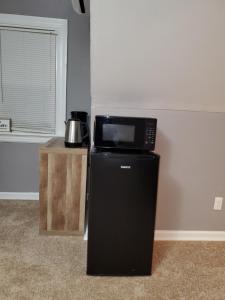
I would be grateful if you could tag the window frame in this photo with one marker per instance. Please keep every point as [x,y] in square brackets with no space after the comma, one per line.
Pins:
[60,28]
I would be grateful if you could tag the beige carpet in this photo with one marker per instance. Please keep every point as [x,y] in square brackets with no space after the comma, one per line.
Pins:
[48,267]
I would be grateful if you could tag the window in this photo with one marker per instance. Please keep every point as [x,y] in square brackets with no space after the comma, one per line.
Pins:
[33,77]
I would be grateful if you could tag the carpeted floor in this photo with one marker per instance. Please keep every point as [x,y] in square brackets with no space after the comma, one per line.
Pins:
[48,267]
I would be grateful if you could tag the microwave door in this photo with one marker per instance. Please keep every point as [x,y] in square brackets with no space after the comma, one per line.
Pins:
[118,133]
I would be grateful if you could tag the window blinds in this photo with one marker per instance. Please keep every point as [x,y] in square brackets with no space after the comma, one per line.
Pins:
[28,80]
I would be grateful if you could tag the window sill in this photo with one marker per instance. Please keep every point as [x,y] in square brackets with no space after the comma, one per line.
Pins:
[23,138]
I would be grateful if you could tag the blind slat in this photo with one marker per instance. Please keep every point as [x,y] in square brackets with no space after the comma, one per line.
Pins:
[23,29]
[28,80]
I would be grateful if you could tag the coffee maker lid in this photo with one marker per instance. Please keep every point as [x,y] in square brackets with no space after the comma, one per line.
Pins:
[79,115]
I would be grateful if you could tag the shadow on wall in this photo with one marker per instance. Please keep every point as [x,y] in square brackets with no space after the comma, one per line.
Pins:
[169,191]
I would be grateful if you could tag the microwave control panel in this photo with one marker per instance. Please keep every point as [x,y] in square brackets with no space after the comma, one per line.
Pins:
[150,134]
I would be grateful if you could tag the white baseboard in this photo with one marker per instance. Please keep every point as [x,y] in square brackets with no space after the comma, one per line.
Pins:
[185,235]
[19,196]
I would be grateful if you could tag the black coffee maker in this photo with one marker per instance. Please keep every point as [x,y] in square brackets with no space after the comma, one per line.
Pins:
[77,132]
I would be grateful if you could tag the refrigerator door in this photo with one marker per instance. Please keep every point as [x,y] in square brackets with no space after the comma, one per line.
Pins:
[122,214]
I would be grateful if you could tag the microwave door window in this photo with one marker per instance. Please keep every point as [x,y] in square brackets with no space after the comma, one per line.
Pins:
[118,133]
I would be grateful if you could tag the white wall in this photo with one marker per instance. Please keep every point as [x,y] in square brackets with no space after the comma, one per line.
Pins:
[168,54]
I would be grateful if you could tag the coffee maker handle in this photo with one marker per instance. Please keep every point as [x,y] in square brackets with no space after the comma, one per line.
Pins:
[83,129]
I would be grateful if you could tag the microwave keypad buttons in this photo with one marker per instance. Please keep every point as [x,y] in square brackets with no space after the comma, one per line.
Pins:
[150,135]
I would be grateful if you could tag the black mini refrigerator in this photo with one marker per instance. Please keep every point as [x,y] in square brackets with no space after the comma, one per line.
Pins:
[121,214]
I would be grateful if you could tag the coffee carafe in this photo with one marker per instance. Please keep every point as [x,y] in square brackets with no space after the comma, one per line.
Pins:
[77,130]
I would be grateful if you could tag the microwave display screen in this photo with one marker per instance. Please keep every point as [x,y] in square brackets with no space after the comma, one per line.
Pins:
[118,133]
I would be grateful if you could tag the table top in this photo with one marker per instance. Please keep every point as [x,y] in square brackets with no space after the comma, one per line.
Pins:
[56,145]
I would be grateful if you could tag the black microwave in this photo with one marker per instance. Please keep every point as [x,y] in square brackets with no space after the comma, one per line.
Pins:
[116,132]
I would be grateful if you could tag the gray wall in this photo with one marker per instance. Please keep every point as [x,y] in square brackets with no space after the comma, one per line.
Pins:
[19,162]
[192,166]
[192,170]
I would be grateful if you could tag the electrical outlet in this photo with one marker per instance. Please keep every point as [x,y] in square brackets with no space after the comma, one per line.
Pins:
[218,203]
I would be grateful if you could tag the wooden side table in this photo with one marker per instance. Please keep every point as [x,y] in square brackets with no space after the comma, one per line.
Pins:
[62,188]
